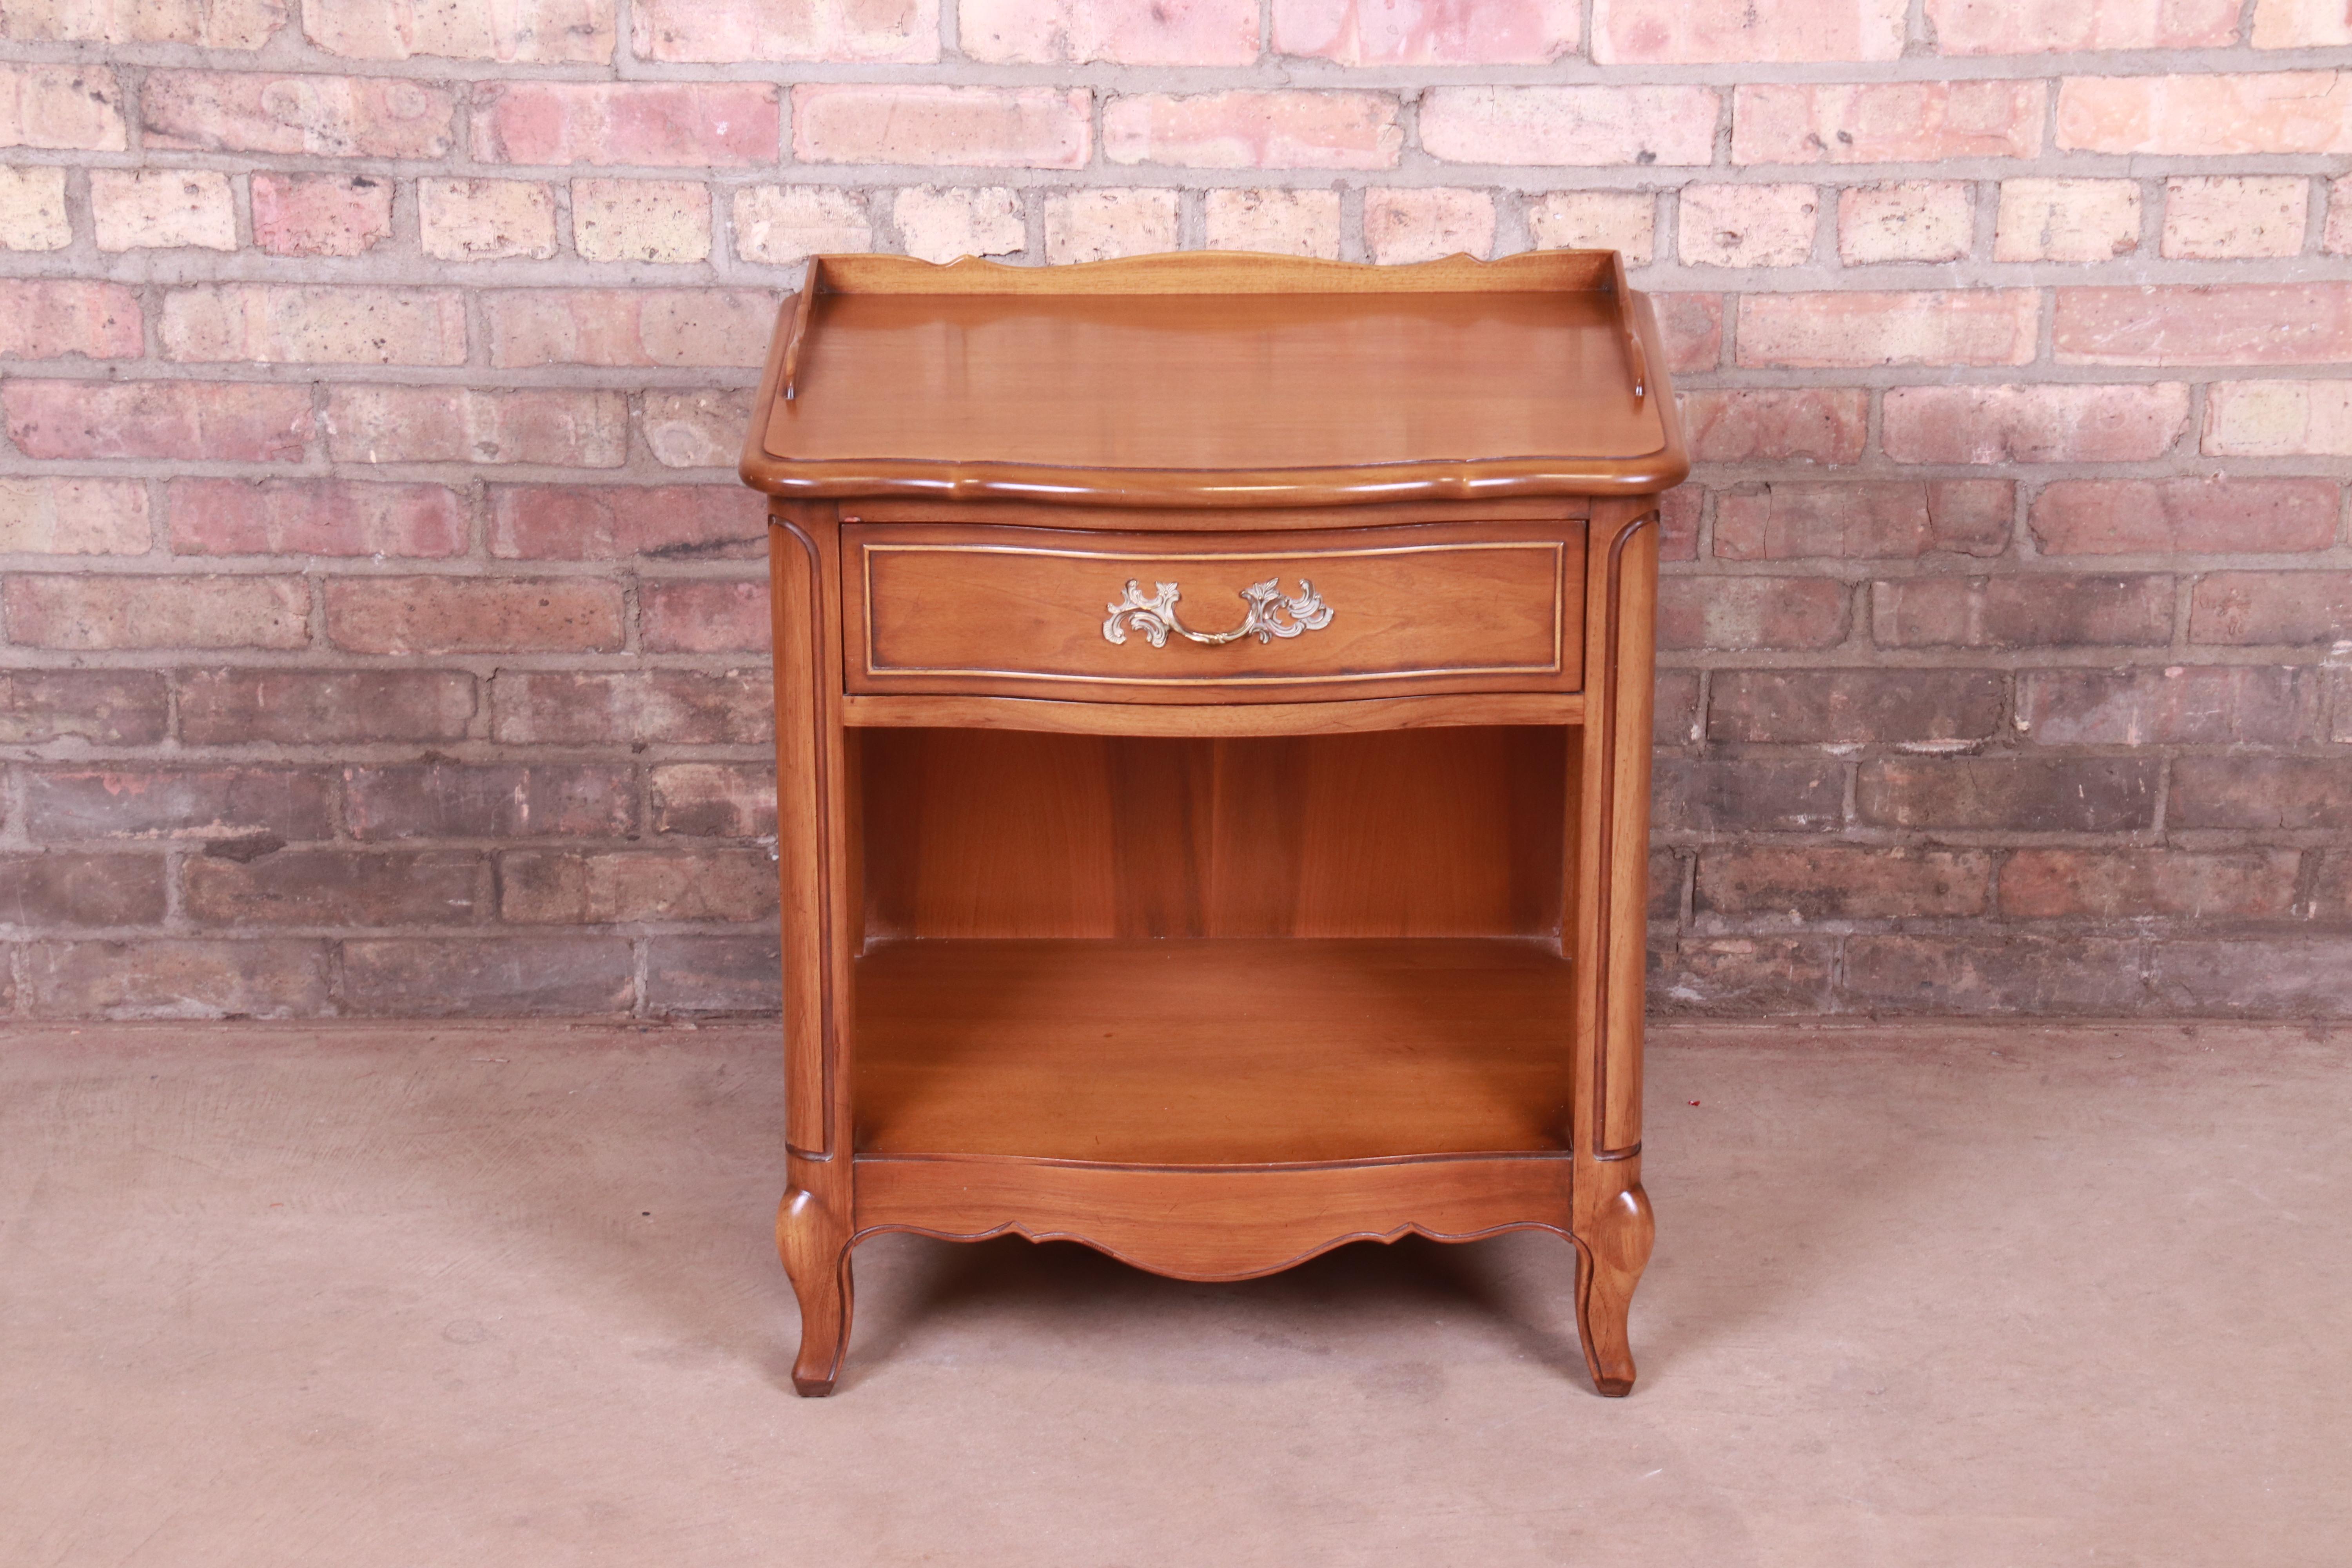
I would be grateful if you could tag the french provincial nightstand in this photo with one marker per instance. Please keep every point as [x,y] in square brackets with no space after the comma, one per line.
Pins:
[1213,700]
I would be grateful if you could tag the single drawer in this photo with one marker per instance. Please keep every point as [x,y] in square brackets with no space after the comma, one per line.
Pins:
[1214,617]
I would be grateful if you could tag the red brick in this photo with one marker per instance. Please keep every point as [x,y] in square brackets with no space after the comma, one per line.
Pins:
[1665,878]
[1992,424]
[1989,27]
[533,32]
[1906,220]
[65,107]
[1121,32]
[2255,607]
[489,977]
[2300,23]
[641,220]
[2036,610]
[2030,794]
[701,429]
[166,978]
[2279,418]
[2297,976]
[473,615]
[1255,130]
[1818,882]
[2057,884]
[314,517]
[67,804]
[162,209]
[728,32]
[320,215]
[336,888]
[270,324]
[2207,116]
[1585,127]
[574,887]
[1985,974]
[68,890]
[235,422]
[1747,226]
[1674,711]
[1810,424]
[321,706]
[1886,122]
[714,800]
[2218,217]
[1752,613]
[157,611]
[1676,32]
[2255,791]
[2067,220]
[629,326]
[277,113]
[1678,513]
[58,515]
[982,127]
[457,800]
[108,707]
[1852,707]
[1692,328]
[714,974]
[2331,892]
[50,318]
[2225,704]
[1730,976]
[214,24]
[1427,32]
[1746,795]
[2218,515]
[702,125]
[33,208]
[2235,325]
[2336,239]
[702,616]
[592,522]
[675,707]
[1863,518]
[558,426]
[1942,326]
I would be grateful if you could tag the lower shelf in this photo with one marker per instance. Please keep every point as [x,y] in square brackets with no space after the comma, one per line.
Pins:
[1257,1051]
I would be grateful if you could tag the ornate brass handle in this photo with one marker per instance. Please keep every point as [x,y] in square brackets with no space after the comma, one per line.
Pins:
[1155,618]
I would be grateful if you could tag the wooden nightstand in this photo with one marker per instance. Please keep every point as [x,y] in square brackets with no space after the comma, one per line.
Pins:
[1213,700]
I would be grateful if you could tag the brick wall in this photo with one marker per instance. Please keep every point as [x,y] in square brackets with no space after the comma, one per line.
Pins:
[383,627]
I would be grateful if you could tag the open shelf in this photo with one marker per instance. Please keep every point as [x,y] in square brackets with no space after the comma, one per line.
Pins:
[1213,1052]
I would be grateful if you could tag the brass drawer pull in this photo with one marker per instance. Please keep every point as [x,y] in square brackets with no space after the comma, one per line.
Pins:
[1155,618]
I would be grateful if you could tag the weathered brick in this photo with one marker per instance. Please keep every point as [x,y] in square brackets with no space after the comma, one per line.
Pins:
[64,612]
[1751,612]
[714,800]
[1623,221]
[499,977]
[2239,216]
[1747,226]
[33,213]
[783,224]
[1675,32]
[1852,707]
[702,125]
[674,707]
[66,889]
[1838,882]
[2207,116]
[1586,127]
[2255,607]
[485,220]
[983,127]
[2300,25]
[1812,425]
[167,978]
[1978,27]
[1428,32]
[2031,794]
[108,707]
[2336,237]
[270,111]
[49,318]
[266,323]
[1740,975]
[1863,518]
[144,209]
[559,426]
[2279,418]
[1886,122]
[726,32]
[1995,974]
[641,220]
[513,32]
[473,615]
[2331,891]
[575,888]
[320,215]
[2230,324]
[2038,610]
[2340,725]
[702,429]
[2067,220]
[2209,516]
[1673,709]
[63,804]
[314,517]
[2231,705]
[1286,223]
[2059,884]
[2299,977]
[1098,224]
[700,615]
[1908,220]
[1423,223]
[944,224]
[47,516]
[336,888]
[696,327]
[1250,130]
[2056,423]
[1693,794]
[458,800]
[214,24]
[71,108]
[589,522]
[240,422]
[1692,326]
[1121,32]
[1665,879]
[714,974]
[2256,792]
[321,706]
[1678,513]
[1941,326]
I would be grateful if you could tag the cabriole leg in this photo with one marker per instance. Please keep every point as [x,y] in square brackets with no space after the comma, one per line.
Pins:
[1609,1263]
[815,1249]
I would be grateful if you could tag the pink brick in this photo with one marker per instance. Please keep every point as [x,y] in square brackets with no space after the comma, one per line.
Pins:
[1427,32]
[101,612]
[1747,226]
[2195,516]
[1421,223]
[54,516]
[2302,25]
[1886,122]
[1692,326]
[2220,218]
[1622,221]
[2231,324]
[674,124]
[1097,224]
[320,215]
[973,127]
[314,517]
[938,223]
[33,208]
[473,615]
[1122,32]
[159,209]
[231,422]
[1857,520]
[50,318]
[1255,130]
[703,616]
[2252,608]
[558,426]
[1673,32]
[2336,239]
[530,31]
[2279,418]
[701,429]
[1588,127]
[2208,116]
[641,220]
[629,326]
[1977,326]
[724,32]
[2005,27]
[212,24]
[1909,220]
[1807,424]
[265,112]
[267,324]
[2033,423]
[2067,220]
[783,223]
[485,220]
[1285,223]
[72,108]
[590,522]
[1743,612]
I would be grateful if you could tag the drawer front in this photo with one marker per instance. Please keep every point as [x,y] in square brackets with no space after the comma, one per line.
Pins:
[1162,617]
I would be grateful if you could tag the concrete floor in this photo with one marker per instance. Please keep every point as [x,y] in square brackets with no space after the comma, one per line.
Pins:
[425,1296]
